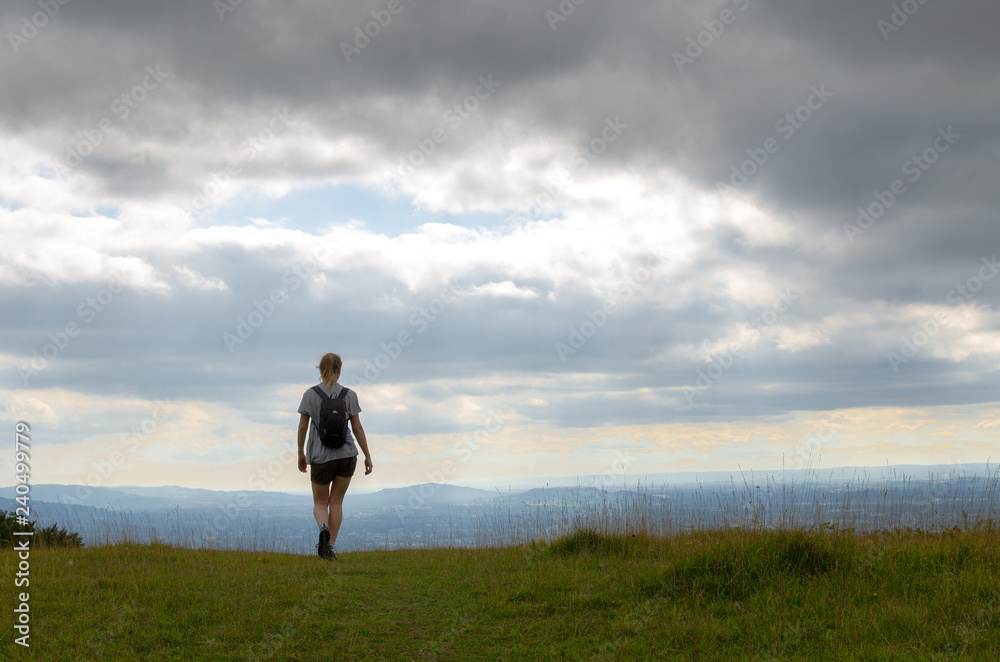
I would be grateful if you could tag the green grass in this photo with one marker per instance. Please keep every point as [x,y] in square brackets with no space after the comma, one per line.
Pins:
[715,595]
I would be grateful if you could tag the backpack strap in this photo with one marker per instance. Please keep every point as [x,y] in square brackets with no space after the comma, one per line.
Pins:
[340,396]
[343,398]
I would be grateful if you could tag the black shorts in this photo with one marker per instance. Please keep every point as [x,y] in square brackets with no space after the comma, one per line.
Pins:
[324,472]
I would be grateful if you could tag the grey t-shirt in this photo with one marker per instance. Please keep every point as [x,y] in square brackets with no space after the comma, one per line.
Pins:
[316,452]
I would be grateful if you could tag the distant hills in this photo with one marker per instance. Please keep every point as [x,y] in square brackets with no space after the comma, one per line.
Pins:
[414,516]
[433,514]
[136,498]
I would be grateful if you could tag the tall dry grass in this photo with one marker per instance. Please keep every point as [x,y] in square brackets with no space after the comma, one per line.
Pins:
[862,504]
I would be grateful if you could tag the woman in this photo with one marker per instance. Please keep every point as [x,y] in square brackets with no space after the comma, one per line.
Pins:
[332,468]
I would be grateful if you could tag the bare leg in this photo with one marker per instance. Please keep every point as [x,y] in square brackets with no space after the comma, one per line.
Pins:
[340,485]
[321,501]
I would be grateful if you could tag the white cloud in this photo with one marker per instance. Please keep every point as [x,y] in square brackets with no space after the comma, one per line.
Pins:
[538,216]
[196,281]
[504,289]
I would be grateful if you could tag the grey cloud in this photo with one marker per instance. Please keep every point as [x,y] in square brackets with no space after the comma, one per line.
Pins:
[601,61]
[890,98]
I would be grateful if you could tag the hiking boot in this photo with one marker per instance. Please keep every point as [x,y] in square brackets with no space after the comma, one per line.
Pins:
[323,547]
[330,554]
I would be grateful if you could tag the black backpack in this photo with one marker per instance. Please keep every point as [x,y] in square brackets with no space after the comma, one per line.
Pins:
[332,424]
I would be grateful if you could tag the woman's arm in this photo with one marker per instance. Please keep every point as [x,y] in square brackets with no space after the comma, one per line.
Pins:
[359,434]
[303,429]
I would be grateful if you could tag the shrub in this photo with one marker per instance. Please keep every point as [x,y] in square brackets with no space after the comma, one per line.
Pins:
[50,536]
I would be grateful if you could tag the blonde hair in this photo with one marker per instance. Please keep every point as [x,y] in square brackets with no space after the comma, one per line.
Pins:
[329,368]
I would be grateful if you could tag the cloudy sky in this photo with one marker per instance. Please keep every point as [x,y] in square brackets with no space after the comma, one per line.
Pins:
[547,238]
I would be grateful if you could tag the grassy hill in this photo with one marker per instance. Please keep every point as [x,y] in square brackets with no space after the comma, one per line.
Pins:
[716,595]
